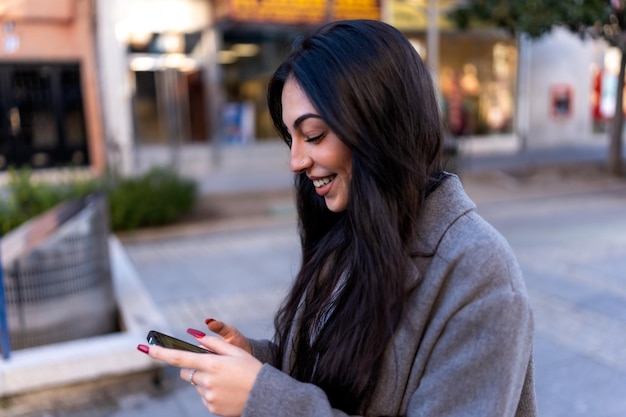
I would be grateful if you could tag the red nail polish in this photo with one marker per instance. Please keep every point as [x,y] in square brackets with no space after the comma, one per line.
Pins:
[209,320]
[196,333]
[143,348]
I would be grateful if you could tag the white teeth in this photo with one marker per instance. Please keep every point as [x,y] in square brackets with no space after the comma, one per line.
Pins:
[322,182]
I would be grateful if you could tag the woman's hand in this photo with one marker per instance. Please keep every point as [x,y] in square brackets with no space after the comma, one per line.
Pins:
[223,380]
[229,333]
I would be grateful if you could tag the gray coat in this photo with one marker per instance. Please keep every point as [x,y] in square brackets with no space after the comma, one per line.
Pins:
[464,347]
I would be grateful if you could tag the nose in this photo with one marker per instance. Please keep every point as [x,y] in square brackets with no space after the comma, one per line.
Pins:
[299,161]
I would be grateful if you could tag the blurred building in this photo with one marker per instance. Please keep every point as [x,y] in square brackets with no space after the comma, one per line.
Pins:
[476,70]
[160,79]
[183,74]
[567,89]
[178,80]
[50,111]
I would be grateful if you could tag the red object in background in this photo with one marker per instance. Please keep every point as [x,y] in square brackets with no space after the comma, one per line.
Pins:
[596,95]
[456,119]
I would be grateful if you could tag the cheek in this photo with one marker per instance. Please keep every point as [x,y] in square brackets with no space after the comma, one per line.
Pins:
[346,177]
[348,169]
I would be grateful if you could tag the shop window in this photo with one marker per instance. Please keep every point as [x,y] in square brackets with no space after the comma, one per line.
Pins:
[73,116]
[477,84]
[42,126]
[45,124]
[169,106]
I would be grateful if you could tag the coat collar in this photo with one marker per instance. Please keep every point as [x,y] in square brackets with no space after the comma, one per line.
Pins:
[443,206]
[441,209]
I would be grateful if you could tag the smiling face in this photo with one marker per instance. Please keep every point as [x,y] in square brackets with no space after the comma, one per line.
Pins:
[315,149]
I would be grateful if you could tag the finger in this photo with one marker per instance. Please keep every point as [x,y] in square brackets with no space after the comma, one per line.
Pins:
[190,375]
[175,357]
[229,333]
[221,328]
[219,346]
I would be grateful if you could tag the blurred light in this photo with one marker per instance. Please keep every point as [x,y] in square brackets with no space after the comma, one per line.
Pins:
[143,63]
[419,47]
[180,62]
[612,59]
[226,57]
[139,40]
[122,32]
[134,35]
[166,15]
[244,50]
[171,42]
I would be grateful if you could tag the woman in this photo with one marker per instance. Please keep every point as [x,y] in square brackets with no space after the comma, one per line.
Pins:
[406,302]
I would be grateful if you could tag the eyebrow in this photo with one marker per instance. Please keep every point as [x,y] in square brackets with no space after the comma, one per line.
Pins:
[301,119]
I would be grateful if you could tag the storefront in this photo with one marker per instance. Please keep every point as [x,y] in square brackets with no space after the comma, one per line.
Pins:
[477,81]
[49,105]
[161,82]
[256,36]
[168,85]
[248,57]
[477,70]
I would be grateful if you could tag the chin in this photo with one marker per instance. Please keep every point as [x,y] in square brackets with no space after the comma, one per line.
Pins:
[335,206]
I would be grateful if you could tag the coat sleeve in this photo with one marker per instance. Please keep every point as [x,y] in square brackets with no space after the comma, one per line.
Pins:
[472,370]
[479,362]
[276,394]
[265,351]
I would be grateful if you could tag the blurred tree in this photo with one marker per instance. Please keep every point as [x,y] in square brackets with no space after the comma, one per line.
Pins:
[588,18]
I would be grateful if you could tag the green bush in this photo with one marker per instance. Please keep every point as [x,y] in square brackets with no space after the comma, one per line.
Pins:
[26,198]
[156,198]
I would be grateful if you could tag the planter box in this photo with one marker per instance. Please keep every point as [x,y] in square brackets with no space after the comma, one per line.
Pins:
[57,275]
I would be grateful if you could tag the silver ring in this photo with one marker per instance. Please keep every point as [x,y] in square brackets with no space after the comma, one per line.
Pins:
[193,372]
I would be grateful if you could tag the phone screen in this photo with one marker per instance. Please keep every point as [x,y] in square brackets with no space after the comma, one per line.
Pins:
[161,339]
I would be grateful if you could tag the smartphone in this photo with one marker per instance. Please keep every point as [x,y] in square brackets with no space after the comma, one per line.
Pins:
[161,339]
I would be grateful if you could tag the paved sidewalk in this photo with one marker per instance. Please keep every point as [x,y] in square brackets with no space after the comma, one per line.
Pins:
[234,258]
[570,238]
[567,227]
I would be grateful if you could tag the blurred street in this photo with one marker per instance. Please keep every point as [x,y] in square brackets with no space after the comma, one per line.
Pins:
[123,86]
[235,255]
[567,226]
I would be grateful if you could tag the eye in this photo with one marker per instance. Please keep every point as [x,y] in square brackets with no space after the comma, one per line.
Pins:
[315,139]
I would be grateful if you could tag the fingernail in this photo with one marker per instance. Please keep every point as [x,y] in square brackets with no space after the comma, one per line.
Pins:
[209,320]
[196,333]
[143,348]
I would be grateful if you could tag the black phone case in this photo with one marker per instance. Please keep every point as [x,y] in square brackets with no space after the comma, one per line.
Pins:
[161,339]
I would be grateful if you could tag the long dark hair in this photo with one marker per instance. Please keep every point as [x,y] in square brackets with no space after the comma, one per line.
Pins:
[372,89]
